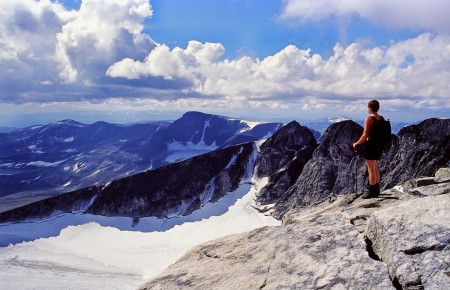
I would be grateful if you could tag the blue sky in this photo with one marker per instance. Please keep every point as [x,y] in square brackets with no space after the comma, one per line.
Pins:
[253,27]
[133,60]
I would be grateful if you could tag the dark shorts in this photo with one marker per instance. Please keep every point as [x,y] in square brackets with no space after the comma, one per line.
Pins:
[371,151]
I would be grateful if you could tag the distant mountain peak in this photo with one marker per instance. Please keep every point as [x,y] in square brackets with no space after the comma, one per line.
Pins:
[68,122]
[333,119]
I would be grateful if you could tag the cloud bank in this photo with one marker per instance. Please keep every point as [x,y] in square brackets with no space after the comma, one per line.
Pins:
[414,71]
[398,14]
[100,55]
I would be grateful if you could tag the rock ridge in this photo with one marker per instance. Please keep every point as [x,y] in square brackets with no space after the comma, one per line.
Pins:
[335,168]
[175,189]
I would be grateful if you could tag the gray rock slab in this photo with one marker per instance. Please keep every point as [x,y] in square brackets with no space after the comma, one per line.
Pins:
[320,252]
[413,239]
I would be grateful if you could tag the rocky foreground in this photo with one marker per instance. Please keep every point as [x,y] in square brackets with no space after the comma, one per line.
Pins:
[398,241]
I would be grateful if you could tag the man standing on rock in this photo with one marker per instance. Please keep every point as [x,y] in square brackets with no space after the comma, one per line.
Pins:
[372,151]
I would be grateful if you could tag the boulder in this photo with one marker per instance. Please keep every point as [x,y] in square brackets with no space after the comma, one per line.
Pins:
[413,239]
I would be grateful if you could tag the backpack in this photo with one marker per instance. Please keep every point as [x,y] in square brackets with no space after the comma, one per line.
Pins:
[380,132]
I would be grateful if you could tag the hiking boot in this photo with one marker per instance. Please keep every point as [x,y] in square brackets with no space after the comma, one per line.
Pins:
[371,191]
[377,189]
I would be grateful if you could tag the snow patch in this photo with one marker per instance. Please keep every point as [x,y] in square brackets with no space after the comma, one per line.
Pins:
[77,167]
[68,140]
[337,119]
[233,159]
[35,127]
[34,149]
[209,191]
[183,150]
[249,125]
[44,163]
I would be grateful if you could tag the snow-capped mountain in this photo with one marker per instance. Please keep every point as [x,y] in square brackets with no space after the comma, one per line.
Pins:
[41,161]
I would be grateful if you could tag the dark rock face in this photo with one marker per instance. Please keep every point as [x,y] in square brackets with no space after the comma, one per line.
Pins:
[420,150]
[328,171]
[175,189]
[75,201]
[282,158]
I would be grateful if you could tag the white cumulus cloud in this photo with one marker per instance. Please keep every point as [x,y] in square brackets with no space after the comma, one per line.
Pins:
[43,43]
[416,69]
[100,53]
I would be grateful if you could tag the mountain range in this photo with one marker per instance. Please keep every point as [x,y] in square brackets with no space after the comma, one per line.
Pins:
[42,161]
[299,173]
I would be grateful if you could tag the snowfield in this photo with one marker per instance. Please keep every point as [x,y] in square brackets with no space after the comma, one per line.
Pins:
[76,251]
[183,150]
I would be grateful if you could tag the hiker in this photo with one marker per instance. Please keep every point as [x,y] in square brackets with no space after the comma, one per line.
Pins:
[371,150]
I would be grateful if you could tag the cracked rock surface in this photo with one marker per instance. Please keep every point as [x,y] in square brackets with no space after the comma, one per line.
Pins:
[413,239]
[296,256]
[398,241]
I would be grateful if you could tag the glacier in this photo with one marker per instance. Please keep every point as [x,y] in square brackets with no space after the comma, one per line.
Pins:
[82,251]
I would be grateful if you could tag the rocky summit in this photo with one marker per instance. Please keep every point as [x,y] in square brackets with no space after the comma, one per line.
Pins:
[335,168]
[282,158]
[398,241]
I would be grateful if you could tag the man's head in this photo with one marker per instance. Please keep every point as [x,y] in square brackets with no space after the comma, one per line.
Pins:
[374,106]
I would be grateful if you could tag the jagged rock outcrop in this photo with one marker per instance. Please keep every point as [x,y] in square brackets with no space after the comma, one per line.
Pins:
[420,151]
[335,168]
[399,241]
[328,171]
[282,158]
[175,189]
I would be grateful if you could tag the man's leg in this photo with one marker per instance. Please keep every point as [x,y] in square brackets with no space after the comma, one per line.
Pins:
[373,187]
[372,168]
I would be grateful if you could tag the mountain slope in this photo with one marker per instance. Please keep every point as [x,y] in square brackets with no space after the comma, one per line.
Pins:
[171,190]
[43,161]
